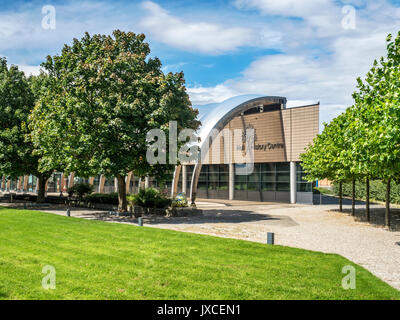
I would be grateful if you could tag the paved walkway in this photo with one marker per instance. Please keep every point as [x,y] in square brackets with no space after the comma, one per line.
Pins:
[319,228]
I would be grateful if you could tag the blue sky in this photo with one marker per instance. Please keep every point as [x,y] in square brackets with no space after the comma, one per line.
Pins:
[307,51]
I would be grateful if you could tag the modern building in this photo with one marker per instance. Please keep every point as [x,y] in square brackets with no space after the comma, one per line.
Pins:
[280,135]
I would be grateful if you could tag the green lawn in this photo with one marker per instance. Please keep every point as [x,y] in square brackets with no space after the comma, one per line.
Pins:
[98,260]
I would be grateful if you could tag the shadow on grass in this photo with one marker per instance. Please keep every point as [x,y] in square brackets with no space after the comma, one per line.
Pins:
[3,295]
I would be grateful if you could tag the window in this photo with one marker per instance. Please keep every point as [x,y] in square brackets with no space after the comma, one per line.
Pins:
[283,176]
[302,184]
[241,182]
[266,177]
[253,180]
[214,177]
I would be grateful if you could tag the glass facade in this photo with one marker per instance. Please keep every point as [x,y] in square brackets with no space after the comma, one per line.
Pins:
[189,173]
[96,182]
[109,185]
[54,182]
[213,181]
[267,182]
[302,184]
[32,181]
[265,177]
[165,185]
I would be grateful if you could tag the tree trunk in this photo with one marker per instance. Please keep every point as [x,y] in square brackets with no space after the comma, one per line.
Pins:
[41,193]
[122,202]
[341,196]
[387,211]
[367,200]
[353,198]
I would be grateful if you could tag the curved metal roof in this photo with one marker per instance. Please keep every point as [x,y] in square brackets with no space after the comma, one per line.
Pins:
[216,115]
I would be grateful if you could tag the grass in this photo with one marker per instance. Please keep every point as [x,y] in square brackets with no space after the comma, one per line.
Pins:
[325,191]
[99,260]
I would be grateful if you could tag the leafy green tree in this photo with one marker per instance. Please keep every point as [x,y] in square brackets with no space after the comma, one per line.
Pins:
[378,97]
[17,156]
[103,95]
[349,156]
[364,142]
[324,158]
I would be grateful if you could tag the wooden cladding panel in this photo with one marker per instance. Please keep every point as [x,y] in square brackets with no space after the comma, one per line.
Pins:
[305,126]
[290,130]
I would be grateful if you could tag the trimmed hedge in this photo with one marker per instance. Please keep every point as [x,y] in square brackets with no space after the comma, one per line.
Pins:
[104,198]
[377,190]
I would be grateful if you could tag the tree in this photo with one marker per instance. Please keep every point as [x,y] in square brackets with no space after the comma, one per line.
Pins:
[348,156]
[378,96]
[366,138]
[103,95]
[17,156]
[324,159]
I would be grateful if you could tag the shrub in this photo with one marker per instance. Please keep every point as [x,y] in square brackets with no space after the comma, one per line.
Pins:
[104,198]
[377,190]
[149,198]
[180,201]
[80,189]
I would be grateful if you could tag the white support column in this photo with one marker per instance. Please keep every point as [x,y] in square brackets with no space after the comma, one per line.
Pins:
[184,179]
[231,181]
[115,185]
[293,182]
[128,180]
[146,182]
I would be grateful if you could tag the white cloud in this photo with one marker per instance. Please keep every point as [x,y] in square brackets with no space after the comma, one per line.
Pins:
[204,37]
[320,17]
[318,60]
[297,103]
[177,67]
[291,8]
[21,30]
[206,95]
[29,70]
[330,78]
[321,60]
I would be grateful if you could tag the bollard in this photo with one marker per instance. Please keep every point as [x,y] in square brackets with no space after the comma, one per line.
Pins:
[140,222]
[270,238]
[68,212]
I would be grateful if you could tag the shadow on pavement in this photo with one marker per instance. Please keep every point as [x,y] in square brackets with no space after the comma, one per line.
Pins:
[326,199]
[209,216]
[377,216]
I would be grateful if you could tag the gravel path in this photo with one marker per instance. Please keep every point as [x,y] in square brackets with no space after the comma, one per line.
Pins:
[318,228]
